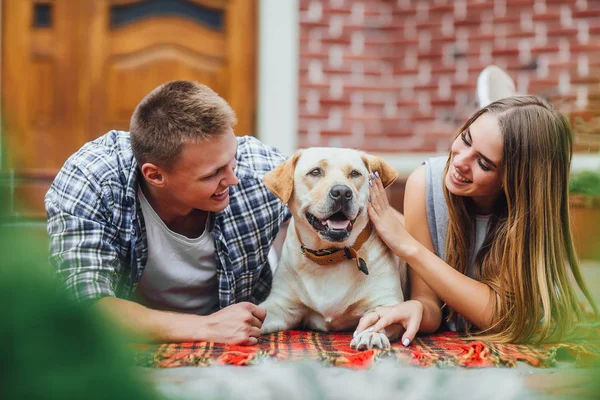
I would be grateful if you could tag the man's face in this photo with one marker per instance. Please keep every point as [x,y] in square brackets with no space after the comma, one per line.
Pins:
[202,174]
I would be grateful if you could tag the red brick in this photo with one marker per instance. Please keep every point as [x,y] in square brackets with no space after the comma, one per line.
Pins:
[488,37]
[518,3]
[585,48]
[542,83]
[327,101]
[545,49]
[363,57]
[319,55]
[403,42]
[469,85]
[568,32]
[407,103]
[585,80]
[371,87]
[390,134]
[521,34]
[320,116]
[505,52]
[313,24]
[335,133]
[443,39]
[430,55]
[313,85]
[344,39]
[507,19]
[547,16]
[586,13]
[439,102]
[426,87]
[483,5]
[441,69]
[467,23]
[429,25]
[422,118]
[553,64]
[328,10]
[441,9]
[404,12]
[401,70]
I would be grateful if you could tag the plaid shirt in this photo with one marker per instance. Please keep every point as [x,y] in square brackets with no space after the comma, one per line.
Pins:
[97,233]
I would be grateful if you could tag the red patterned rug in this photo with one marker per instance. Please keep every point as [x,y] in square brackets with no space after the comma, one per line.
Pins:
[446,349]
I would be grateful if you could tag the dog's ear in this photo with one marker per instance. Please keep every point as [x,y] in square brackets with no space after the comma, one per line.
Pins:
[280,181]
[387,174]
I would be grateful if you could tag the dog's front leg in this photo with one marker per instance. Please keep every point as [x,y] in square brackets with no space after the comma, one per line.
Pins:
[377,340]
[282,314]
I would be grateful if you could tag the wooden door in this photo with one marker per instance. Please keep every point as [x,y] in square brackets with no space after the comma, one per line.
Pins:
[72,70]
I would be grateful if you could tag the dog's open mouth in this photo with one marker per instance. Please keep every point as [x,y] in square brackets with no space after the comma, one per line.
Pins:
[337,222]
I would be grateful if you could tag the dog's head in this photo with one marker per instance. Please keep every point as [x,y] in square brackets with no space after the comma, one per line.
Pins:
[327,188]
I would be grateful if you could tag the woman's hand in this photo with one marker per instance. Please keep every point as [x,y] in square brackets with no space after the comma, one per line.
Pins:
[408,314]
[388,222]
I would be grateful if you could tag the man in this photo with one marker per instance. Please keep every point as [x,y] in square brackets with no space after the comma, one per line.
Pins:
[168,227]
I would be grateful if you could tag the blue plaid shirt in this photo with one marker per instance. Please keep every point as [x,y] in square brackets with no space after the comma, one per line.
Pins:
[97,233]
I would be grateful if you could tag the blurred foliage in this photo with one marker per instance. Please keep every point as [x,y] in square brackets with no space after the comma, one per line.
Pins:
[52,348]
[585,182]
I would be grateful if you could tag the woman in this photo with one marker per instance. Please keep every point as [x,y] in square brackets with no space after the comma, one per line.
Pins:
[487,231]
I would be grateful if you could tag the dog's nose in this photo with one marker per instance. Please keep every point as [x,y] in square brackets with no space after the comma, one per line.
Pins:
[340,193]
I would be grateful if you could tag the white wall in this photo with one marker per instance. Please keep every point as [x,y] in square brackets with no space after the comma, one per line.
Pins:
[277,120]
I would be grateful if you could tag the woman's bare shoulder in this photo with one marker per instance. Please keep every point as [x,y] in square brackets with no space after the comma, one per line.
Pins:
[415,184]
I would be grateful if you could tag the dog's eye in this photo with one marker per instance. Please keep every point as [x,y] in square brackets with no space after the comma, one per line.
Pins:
[315,172]
[355,174]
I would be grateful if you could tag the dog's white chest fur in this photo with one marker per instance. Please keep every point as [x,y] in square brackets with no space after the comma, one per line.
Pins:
[337,285]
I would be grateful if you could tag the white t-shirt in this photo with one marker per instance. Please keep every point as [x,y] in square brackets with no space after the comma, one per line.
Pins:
[180,274]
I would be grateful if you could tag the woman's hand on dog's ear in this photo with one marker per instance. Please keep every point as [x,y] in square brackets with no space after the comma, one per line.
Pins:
[388,222]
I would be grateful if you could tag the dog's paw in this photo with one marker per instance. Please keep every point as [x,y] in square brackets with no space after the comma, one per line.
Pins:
[370,340]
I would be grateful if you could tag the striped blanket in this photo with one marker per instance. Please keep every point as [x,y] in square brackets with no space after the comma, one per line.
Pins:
[445,349]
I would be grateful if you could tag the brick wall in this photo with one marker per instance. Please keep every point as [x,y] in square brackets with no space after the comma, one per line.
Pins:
[400,75]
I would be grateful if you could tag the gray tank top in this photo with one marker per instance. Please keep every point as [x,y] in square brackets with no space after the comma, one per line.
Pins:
[437,217]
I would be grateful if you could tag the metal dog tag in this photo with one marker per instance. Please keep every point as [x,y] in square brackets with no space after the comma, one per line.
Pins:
[362,266]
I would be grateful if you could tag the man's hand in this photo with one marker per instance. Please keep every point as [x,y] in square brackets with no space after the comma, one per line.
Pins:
[237,324]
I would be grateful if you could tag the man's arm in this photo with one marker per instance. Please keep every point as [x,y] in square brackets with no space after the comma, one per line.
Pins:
[236,324]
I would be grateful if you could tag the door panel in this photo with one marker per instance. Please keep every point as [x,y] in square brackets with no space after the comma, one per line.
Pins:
[72,70]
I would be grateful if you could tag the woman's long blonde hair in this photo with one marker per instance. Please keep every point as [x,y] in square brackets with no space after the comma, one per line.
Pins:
[528,249]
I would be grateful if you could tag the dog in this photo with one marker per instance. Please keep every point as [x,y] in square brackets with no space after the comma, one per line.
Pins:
[334,268]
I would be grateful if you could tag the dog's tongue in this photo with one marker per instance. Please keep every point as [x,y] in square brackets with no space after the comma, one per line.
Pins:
[337,224]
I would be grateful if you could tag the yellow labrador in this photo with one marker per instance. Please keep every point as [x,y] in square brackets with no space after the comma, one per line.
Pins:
[334,268]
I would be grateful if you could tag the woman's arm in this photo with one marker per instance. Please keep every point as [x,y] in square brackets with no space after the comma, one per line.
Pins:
[469,297]
[417,226]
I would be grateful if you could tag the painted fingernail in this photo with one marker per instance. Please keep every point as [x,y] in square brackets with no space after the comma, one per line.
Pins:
[406,342]
[377,174]
[369,199]
[355,333]
[370,183]
[372,176]
[370,329]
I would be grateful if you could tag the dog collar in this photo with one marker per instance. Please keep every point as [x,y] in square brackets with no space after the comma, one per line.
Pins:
[336,255]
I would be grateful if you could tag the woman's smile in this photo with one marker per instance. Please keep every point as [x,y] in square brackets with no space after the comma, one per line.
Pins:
[458,178]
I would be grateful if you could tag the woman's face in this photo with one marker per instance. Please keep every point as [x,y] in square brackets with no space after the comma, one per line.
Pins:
[475,163]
